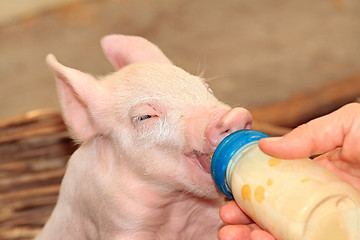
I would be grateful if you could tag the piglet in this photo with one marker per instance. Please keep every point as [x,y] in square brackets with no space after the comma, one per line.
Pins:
[146,132]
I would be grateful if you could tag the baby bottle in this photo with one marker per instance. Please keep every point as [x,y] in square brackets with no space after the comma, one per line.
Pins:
[292,199]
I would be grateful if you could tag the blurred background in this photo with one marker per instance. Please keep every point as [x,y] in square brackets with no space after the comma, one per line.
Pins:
[253,52]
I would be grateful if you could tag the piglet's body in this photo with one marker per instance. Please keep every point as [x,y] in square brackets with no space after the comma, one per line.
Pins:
[146,134]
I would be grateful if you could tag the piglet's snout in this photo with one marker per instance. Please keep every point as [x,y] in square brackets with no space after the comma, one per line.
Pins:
[231,121]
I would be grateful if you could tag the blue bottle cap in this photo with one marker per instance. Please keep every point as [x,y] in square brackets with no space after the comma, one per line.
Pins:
[224,152]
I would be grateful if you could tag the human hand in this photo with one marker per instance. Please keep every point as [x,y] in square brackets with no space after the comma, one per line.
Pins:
[335,136]
[239,225]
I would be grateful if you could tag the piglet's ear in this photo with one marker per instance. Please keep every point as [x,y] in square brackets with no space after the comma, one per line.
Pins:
[123,50]
[82,98]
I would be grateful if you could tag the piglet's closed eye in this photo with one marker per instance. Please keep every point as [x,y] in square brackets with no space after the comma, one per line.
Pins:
[142,118]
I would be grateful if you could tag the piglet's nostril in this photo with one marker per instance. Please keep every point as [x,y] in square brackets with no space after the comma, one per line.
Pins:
[232,121]
[248,125]
[223,134]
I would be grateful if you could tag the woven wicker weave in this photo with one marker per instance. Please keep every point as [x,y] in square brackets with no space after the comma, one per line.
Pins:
[34,149]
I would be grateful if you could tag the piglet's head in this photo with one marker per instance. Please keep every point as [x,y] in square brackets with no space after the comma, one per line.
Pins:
[163,122]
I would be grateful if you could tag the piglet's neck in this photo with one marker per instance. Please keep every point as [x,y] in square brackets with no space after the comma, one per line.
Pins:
[181,216]
[157,213]
[100,198]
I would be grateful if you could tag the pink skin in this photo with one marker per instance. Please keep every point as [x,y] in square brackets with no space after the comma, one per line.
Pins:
[146,134]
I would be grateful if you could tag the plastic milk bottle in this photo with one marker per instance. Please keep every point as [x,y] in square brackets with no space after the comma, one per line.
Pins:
[292,199]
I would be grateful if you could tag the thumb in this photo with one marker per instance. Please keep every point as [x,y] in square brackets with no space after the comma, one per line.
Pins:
[318,136]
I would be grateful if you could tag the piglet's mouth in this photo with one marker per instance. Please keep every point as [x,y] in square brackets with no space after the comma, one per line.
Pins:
[201,159]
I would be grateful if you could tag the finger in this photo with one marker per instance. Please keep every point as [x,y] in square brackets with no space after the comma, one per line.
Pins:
[242,232]
[345,170]
[230,213]
[235,232]
[315,137]
[261,235]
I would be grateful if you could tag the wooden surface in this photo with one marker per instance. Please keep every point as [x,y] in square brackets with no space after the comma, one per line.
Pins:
[308,105]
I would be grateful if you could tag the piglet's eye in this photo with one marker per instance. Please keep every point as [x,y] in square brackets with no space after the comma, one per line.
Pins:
[141,118]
